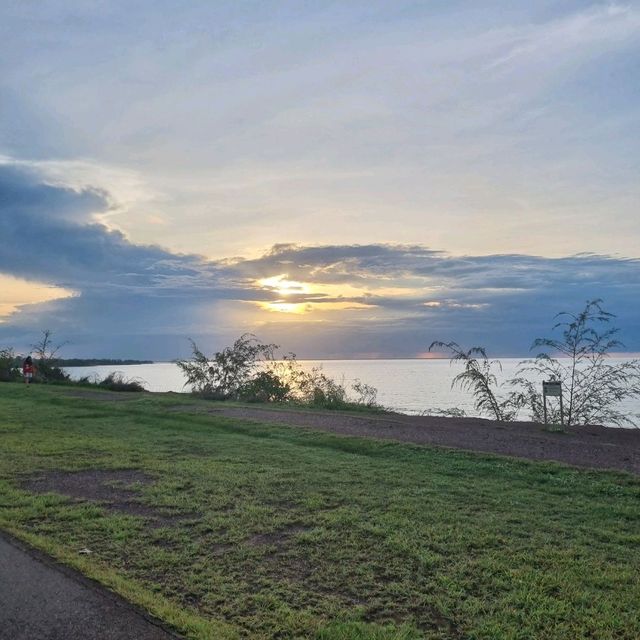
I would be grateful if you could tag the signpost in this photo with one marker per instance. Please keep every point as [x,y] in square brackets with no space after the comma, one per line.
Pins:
[552,389]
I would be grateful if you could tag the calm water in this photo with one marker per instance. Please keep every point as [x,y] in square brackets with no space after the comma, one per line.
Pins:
[408,386]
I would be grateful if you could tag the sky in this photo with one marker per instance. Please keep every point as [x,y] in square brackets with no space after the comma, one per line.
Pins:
[347,179]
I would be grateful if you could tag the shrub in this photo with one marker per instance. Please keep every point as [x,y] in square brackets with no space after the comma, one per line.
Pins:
[480,379]
[366,394]
[266,386]
[592,387]
[316,389]
[9,365]
[311,388]
[46,365]
[116,381]
[249,371]
[227,372]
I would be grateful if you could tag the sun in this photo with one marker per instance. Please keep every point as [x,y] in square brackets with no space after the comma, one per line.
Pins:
[282,285]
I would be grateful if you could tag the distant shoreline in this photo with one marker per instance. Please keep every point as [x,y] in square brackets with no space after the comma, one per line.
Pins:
[106,362]
[98,362]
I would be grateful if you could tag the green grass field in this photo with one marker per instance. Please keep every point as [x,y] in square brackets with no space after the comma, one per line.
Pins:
[274,532]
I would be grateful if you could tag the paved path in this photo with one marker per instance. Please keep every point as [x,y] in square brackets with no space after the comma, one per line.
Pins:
[40,600]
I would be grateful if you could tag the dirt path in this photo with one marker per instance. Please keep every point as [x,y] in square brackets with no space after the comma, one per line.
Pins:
[591,446]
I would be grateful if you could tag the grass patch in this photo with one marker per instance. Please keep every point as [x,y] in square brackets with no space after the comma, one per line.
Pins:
[266,531]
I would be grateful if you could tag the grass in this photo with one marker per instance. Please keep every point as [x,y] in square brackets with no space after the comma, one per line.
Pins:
[289,533]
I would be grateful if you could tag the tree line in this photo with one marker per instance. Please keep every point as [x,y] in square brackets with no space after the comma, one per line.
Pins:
[49,367]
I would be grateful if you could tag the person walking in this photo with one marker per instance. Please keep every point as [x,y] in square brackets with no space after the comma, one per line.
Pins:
[27,370]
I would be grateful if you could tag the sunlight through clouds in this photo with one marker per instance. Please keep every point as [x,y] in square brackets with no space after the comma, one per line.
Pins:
[348,178]
[284,287]
[17,292]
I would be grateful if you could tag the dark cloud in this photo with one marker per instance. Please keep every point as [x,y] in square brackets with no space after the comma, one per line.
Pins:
[48,234]
[22,192]
[143,300]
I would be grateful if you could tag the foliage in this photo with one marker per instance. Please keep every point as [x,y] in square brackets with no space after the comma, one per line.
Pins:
[47,367]
[592,387]
[525,394]
[250,371]
[366,394]
[266,386]
[228,372]
[117,381]
[453,412]
[285,380]
[317,389]
[479,378]
[9,365]
[114,381]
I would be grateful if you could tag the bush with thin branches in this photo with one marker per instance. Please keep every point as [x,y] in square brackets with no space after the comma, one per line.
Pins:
[480,379]
[593,387]
[249,371]
[224,375]
[45,353]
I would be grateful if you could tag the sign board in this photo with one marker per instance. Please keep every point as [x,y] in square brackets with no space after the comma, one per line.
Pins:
[552,388]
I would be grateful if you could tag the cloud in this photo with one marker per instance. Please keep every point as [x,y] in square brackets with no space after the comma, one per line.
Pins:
[143,300]
[449,124]
[23,193]
[49,233]
[583,33]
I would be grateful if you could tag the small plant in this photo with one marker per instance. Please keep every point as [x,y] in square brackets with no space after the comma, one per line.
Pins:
[454,412]
[116,381]
[366,394]
[479,378]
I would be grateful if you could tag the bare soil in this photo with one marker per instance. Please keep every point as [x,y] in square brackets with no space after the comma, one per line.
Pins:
[114,489]
[590,446]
